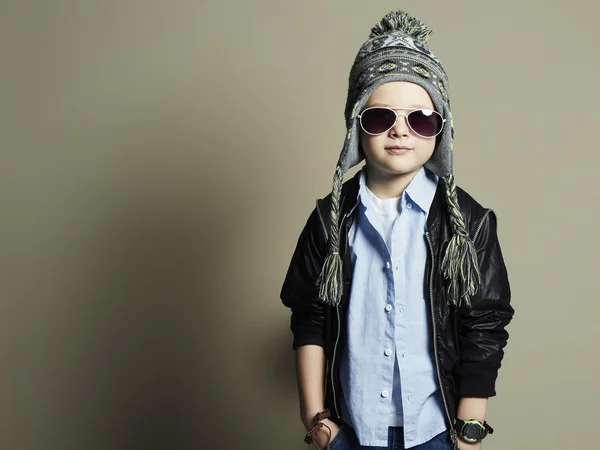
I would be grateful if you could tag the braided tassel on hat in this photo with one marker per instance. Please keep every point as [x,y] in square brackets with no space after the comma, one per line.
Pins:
[330,279]
[459,264]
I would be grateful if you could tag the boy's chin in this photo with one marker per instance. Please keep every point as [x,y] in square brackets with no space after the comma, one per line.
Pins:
[397,169]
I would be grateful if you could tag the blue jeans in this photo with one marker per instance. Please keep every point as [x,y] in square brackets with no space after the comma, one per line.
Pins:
[346,439]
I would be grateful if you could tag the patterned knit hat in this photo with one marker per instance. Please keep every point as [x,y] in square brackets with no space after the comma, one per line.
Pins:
[396,51]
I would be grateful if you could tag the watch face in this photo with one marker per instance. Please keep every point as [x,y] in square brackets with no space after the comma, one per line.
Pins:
[472,432]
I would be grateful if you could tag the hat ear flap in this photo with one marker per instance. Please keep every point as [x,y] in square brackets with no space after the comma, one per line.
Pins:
[361,151]
[459,265]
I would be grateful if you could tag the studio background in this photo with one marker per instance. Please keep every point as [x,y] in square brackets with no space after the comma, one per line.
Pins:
[158,161]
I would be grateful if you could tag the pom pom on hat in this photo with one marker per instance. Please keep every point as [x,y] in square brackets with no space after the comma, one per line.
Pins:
[400,22]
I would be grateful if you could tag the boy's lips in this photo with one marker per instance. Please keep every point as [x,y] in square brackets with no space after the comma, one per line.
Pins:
[398,149]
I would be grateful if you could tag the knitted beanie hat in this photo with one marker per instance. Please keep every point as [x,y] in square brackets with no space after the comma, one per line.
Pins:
[396,51]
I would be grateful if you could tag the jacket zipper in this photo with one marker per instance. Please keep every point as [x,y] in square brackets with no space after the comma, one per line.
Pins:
[337,338]
[332,367]
[435,351]
[481,224]
[337,308]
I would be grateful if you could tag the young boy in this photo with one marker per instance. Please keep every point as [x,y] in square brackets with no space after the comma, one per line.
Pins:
[401,298]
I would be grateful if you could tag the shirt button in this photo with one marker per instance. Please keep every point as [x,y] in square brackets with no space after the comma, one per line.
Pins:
[409,205]
[403,355]
[388,308]
[388,352]
[396,268]
[384,394]
[387,265]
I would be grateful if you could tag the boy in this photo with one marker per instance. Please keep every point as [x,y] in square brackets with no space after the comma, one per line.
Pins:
[400,300]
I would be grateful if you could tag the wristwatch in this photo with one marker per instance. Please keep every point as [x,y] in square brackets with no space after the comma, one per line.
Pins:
[472,430]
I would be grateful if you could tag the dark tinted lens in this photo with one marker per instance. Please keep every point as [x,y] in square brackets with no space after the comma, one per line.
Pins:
[427,125]
[377,120]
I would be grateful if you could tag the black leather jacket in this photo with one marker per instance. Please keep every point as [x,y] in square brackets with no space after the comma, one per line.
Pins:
[468,342]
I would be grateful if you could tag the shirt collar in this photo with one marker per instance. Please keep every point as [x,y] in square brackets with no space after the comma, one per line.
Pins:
[420,190]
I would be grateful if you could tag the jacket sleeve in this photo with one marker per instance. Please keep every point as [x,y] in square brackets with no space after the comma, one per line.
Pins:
[482,325]
[299,291]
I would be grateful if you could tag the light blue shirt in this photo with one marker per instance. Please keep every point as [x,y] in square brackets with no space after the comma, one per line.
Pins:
[387,369]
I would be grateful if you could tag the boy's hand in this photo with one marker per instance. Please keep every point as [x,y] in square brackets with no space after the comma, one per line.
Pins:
[462,445]
[321,438]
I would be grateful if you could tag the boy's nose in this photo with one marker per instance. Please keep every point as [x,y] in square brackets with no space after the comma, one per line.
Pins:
[400,128]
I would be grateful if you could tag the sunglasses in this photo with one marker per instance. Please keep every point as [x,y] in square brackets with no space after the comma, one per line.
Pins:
[423,122]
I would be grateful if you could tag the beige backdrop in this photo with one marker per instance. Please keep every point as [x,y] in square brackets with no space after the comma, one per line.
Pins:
[159,160]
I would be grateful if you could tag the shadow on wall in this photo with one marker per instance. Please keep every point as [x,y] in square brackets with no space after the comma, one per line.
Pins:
[128,333]
[116,342]
[153,346]
[143,368]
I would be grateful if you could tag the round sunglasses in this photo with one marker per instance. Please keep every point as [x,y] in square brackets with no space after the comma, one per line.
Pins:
[380,119]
